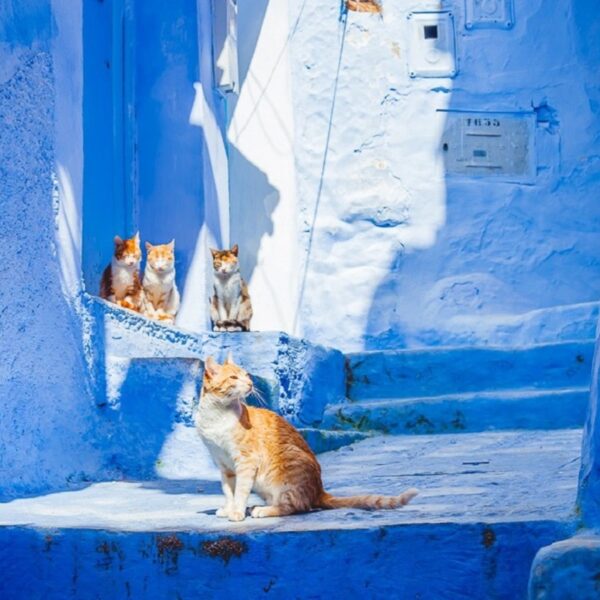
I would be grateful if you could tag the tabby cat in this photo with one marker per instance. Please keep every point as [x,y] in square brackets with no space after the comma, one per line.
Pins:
[257,450]
[230,306]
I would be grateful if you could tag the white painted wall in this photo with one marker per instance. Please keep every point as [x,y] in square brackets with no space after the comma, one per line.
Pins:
[397,252]
[263,191]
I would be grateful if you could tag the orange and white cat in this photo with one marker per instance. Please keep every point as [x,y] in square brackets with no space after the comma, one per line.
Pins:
[257,450]
[230,306]
[121,279]
[161,296]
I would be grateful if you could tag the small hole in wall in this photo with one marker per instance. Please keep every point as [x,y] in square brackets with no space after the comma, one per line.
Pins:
[479,153]
[430,32]
[445,147]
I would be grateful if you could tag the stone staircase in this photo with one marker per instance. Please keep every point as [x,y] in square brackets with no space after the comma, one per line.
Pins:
[491,437]
[443,390]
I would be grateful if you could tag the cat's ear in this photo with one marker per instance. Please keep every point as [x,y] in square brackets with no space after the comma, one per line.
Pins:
[149,246]
[235,250]
[214,252]
[229,359]
[136,237]
[117,240]
[210,367]
[171,244]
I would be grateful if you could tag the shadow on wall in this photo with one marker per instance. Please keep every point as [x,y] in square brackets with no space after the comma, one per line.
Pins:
[508,245]
[255,200]
[252,197]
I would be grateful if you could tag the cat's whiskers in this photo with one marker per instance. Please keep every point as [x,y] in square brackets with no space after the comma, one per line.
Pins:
[259,397]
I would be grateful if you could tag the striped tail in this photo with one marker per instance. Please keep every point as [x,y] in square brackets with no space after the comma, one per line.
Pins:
[368,502]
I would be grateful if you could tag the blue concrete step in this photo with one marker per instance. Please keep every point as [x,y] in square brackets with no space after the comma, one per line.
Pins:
[147,417]
[443,371]
[297,378]
[488,502]
[476,411]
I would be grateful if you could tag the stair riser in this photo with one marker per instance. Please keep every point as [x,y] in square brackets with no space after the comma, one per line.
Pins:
[407,374]
[552,411]
[299,378]
[427,562]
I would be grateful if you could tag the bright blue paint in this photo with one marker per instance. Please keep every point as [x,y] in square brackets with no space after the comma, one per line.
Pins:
[169,153]
[567,570]
[47,420]
[68,420]
[430,372]
[478,411]
[383,562]
[25,22]
[105,210]
[144,159]
[303,377]
[571,568]
[482,513]
[589,495]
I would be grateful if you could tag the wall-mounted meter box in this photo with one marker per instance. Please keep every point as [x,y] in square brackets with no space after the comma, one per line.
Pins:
[490,144]
[225,56]
[432,48]
[489,13]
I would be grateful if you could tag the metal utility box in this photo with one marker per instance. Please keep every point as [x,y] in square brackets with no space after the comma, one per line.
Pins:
[432,47]
[489,13]
[490,144]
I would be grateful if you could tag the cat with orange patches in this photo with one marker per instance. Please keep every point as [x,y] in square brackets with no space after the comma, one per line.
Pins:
[121,279]
[161,296]
[257,450]
[230,306]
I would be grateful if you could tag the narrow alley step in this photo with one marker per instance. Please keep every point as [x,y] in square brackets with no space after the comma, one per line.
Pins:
[387,374]
[474,411]
[488,502]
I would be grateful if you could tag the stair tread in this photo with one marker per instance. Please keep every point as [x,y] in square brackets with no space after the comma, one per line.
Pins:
[490,477]
[462,349]
[508,394]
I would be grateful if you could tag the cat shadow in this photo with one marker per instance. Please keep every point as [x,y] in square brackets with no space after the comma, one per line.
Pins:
[253,201]
[183,486]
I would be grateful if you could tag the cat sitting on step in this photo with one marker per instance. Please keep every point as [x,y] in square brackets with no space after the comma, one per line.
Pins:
[121,279]
[257,450]
[161,296]
[230,306]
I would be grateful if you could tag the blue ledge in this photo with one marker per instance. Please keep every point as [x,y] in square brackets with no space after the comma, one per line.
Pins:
[488,502]
[478,411]
[435,371]
[567,569]
[298,378]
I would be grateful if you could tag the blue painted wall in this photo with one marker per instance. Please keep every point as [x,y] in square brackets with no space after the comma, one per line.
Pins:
[408,255]
[589,485]
[108,208]
[169,150]
[144,159]
[47,415]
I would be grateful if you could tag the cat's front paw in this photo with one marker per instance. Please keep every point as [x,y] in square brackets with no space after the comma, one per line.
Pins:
[237,515]
[258,512]
[223,512]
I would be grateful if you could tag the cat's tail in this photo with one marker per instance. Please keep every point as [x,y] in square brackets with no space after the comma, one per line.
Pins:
[368,502]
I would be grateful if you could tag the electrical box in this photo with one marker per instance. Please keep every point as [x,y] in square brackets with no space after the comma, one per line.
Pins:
[225,57]
[490,144]
[432,48]
[489,13]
